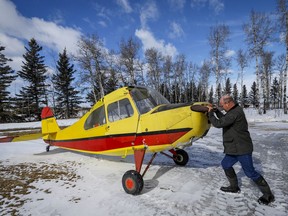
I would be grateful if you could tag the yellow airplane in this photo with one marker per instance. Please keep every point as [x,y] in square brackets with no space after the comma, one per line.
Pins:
[131,121]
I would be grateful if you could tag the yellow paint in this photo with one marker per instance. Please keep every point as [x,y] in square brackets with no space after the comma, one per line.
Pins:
[177,118]
[49,125]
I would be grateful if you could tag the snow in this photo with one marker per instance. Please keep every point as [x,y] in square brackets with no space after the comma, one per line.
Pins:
[62,182]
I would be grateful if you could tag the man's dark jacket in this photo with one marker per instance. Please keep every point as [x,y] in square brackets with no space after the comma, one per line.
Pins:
[236,137]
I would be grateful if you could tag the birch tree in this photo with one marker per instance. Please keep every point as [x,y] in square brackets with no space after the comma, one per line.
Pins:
[218,38]
[154,61]
[180,66]
[128,61]
[91,58]
[204,76]
[242,61]
[167,73]
[258,32]
[280,67]
[282,11]
[266,76]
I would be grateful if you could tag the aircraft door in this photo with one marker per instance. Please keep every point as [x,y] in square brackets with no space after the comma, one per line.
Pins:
[122,122]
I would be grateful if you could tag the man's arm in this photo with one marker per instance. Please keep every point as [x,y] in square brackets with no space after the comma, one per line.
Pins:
[222,120]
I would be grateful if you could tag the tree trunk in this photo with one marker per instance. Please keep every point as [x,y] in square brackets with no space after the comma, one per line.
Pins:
[258,86]
[286,69]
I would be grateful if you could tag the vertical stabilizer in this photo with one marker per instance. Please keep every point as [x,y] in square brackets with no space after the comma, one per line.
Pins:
[49,123]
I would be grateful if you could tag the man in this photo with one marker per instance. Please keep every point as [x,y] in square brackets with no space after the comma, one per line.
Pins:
[238,146]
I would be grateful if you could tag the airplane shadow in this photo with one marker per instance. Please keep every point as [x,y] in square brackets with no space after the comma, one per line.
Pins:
[53,151]
[199,157]
[151,184]
[203,157]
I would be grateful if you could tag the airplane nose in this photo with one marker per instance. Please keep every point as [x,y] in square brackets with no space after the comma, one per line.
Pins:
[199,108]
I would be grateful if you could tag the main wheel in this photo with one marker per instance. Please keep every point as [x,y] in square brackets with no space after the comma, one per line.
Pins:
[132,182]
[181,158]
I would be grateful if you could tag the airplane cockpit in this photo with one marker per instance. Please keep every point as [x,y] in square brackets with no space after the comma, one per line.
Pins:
[147,99]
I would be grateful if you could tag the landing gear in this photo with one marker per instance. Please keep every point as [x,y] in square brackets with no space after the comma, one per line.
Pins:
[48,148]
[132,180]
[181,157]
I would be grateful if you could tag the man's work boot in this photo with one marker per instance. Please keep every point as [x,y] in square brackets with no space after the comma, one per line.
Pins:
[267,197]
[232,178]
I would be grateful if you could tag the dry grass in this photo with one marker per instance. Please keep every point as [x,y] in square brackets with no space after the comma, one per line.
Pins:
[17,180]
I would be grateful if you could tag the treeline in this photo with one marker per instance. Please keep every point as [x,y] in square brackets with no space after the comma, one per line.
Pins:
[100,71]
[37,90]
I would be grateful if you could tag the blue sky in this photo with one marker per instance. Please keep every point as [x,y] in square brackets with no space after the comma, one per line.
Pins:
[172,26]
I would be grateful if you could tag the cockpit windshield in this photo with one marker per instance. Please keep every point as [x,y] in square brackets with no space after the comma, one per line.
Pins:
[147,98]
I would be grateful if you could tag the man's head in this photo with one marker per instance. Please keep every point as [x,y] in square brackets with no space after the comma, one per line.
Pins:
[226,102]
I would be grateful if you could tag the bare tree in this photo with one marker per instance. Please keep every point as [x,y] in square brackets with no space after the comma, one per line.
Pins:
[167,73]
[227,61]
[242,61]
[266,76]
[282,9]
[204,75]
[154,61]
[218,38]
[258,32]
[113,71]
[128,61]
[180,66]
[91,58]
[280,66]
[191,75]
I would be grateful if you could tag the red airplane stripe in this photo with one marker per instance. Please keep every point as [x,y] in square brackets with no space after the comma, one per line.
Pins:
[110,143]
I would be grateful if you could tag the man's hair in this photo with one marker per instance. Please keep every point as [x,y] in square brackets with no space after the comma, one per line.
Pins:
[227,98]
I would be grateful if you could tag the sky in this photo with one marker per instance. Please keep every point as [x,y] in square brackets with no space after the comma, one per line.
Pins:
[171,26]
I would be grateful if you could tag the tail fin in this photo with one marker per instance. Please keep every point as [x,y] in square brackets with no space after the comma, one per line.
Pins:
[49,123]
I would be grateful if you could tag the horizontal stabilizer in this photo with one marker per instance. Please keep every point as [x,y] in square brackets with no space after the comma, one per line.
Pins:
[19,138]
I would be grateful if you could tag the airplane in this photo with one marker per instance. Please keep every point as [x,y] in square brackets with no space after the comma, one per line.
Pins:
[132,120]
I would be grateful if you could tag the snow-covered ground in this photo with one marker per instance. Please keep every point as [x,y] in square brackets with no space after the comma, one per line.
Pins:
[60,182]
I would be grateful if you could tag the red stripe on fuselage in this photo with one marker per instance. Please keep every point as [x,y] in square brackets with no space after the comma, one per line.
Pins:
[105,143]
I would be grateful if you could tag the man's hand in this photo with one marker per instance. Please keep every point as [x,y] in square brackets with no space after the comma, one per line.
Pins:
[210,107]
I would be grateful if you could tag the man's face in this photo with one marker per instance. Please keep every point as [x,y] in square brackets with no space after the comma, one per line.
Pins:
[224,105]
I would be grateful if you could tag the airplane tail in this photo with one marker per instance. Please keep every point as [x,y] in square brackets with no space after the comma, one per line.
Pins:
[49,123]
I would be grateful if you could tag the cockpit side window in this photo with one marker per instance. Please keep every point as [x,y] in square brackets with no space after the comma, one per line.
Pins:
[119,110]
[96,118]
[147,99]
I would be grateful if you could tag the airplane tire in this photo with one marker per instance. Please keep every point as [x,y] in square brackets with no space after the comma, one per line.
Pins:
[181,158]
[132,182]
